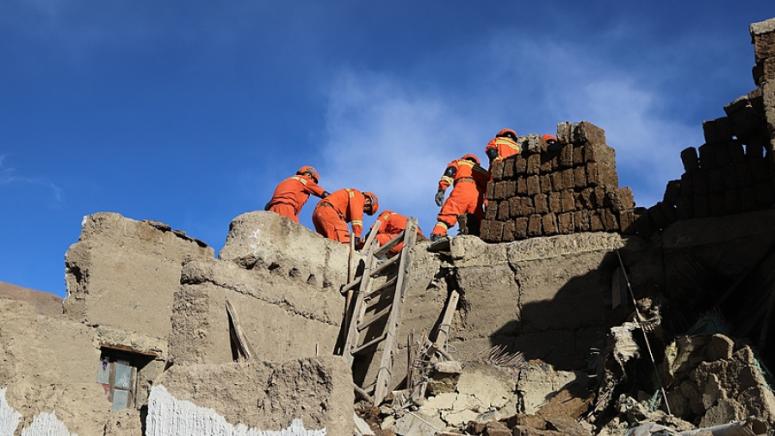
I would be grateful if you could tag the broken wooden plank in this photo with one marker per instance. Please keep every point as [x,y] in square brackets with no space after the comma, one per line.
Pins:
[236,334]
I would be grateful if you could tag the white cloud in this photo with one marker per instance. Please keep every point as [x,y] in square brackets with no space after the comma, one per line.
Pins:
[9,176]
[395,137]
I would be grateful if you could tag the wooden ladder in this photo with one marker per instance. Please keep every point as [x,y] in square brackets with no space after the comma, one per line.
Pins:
[376,308]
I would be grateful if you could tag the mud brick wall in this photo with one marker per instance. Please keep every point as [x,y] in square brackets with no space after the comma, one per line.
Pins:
[734,171]
[568,187]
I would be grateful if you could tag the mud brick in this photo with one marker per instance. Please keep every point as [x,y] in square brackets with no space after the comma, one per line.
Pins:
[508,231]
[716,180]
[534,226]
[521,206]
[484,230]
[566,156]
[581,220]
[507,169]
[700,206]
[584,199]
[499,190]
[533,164]
[549,223]
[565,223]
[580,177]
[564,132]
[672,193]
[496,231]
[764,195]
[588,133]
[684,208]
[619,199]
[690,159]
[567,178]
[732,201]
[716,204]
[533,185]
[707,156]
[610,222]
[598,197]
[722,153]
[686,185]
[717,131]
[541,203]
[743,176]
[568,201]
[700,181]
[754,150]
[595,222]
[763,41]
[510,188]
[555,202]
[598,153]
[760,169]
[520,228]
[578,156]
[661,215]
[627,222]
[601,174]
[736,151]
[730,180]
[546,183]
[522,185]
[490,193]
[496,170]
[557,182]
[520,166]
[503,210]
[748,199]
[547,164]
[491,212]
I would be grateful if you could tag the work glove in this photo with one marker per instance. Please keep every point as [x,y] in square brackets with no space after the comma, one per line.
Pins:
[439,198]
[325,194]
[358,243]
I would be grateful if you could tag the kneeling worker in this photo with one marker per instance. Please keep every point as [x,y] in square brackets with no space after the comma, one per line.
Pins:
[292,193]
[344,206]
[467,197]
[391,224]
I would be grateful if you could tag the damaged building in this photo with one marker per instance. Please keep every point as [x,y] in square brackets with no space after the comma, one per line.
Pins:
[572,312]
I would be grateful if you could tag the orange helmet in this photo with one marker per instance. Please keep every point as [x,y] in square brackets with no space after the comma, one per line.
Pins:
[374,202]
[507,133]
[309,170]
[549,137]
[471,157]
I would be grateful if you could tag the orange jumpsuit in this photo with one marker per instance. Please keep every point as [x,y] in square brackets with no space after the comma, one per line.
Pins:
[505,147]
[391,224]
[291,194]
[334,212]
[467,197]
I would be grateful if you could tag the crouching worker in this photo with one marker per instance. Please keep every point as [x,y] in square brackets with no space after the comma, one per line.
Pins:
[344,206]
[469,182]
[292,193]
[391,224]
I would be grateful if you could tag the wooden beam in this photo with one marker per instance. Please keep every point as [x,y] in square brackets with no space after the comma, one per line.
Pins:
[243,348]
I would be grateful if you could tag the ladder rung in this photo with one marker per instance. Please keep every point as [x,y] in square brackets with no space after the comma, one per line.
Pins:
[376,340]
[386,264]
[374,318]
[392,243]
[386,285]
[351,285]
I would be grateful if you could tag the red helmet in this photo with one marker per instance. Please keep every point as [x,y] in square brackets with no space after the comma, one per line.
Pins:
[472,157]
[309,170]
[507,133]
[374,202]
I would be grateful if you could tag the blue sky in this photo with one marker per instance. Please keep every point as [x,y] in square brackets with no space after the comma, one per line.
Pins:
[190,112]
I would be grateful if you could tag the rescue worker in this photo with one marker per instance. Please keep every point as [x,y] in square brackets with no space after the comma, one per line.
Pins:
[391,224]
[469,182]
[344,206]
[292,193]
[504,145]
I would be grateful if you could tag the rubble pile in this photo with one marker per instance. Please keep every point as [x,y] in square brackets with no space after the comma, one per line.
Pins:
[566,187]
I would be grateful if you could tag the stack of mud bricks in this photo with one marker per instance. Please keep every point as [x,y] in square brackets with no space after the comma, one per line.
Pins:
[568,187]
[733,172]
